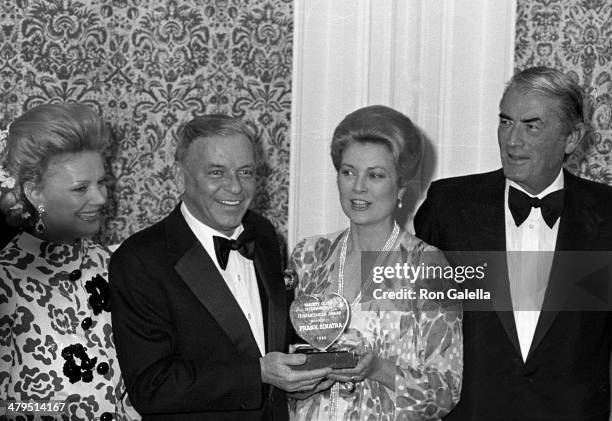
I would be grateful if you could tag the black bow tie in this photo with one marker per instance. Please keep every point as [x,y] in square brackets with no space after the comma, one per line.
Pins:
[520,205]
[244,244]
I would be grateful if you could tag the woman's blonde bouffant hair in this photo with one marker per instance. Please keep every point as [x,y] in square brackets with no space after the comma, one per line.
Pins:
[38,137]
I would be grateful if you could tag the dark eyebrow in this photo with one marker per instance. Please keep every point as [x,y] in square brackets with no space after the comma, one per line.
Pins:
[531,120]
[375,167]
[527,120]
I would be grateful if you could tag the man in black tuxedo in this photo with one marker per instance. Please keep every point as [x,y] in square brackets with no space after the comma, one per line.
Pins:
[534,361]
[199,304]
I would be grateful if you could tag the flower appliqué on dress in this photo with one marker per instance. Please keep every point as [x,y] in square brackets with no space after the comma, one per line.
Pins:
[99,294]
[76,372]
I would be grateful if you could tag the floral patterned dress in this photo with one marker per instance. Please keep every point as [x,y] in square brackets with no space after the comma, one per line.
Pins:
[423,338]
[56,340]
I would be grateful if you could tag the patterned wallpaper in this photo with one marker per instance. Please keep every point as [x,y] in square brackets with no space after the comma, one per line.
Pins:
[147,66]
[575,37]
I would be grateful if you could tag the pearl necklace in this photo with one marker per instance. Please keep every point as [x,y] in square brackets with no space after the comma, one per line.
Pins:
[387,247]
[335,390]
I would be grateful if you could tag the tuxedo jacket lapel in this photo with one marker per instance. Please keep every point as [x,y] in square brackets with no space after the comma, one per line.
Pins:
[577,231]
[579,222]
[275,313]
[199,272]
[485,218]
[197,269]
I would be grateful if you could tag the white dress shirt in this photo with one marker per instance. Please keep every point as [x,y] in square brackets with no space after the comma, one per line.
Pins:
[239,275]
[530,249]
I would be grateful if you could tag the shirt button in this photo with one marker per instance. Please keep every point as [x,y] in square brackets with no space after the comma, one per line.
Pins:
[531,226]
[75,275]
[102,368]
[86,323]
[106,416]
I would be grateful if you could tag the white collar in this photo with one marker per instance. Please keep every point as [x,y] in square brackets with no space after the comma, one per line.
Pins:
[203,231]
[557,184]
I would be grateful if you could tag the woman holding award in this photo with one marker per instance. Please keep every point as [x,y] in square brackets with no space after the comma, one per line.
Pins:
[57,354]
[410,362]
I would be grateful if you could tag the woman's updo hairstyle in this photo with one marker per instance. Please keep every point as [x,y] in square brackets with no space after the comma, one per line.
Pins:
[383,125]
[38,137]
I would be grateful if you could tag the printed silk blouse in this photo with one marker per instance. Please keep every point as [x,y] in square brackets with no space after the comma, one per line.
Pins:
[424,341]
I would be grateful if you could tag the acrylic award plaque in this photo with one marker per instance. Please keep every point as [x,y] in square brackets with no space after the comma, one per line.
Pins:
[320,320]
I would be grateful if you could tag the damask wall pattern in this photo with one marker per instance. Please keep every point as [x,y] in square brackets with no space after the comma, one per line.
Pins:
[575,37]
[147,66]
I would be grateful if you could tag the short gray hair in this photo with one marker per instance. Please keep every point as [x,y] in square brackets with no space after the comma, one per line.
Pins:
[553,83]
[208,126]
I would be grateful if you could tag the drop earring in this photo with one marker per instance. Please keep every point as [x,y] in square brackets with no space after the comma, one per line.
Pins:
[399,203]
[40,227]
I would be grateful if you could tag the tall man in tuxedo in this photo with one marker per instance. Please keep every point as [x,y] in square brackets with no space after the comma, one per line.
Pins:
[537,362]
[199,304]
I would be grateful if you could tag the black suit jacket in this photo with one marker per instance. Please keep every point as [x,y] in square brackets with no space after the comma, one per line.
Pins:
[185,349]
[566,374]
